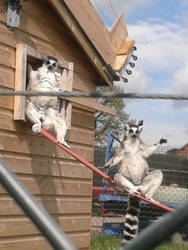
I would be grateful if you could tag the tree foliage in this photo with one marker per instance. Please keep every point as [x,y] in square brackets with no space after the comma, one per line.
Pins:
[105,122]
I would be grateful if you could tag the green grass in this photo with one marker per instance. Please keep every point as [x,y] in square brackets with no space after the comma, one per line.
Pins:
[172,246]
[105,242]
[113,243]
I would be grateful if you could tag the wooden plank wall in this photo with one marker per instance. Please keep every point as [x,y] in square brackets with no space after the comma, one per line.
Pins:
[59,182]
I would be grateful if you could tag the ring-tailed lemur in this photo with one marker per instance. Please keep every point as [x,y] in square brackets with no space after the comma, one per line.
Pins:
[43,111]
[133,175]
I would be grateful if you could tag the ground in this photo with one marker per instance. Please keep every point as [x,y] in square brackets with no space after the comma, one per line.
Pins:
[113,243]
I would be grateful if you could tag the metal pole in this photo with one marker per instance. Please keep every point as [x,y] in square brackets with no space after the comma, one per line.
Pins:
[160,230]
[39,216]
[98,171]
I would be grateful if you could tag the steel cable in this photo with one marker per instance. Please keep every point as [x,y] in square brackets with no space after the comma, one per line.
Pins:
[95,94]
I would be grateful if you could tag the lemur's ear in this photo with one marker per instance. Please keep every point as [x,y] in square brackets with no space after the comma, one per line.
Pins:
[52,58]
[29,68]
[140,123]
[127,127]
[140,126]
[44,57]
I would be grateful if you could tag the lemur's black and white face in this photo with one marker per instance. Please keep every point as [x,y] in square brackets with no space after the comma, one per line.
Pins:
[133,130]
[51,63]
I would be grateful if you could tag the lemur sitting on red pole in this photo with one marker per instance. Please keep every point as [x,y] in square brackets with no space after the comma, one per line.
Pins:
[133,174]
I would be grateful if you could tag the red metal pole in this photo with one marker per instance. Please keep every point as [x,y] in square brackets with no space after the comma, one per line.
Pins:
[98,171]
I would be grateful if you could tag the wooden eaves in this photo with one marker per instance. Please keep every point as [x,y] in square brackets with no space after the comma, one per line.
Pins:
[104,48]
[70,21]
[99,44]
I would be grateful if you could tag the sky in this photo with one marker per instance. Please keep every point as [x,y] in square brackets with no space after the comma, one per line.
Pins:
[160,29]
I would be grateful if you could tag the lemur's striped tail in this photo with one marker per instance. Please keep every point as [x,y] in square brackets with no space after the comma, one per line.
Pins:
[131,220]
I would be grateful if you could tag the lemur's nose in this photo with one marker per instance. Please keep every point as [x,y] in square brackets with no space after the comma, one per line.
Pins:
[50,67]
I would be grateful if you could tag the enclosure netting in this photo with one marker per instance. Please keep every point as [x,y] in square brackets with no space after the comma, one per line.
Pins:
[109,205]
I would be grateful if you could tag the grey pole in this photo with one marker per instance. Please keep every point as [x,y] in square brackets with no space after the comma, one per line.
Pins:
[160,230]
[39,216]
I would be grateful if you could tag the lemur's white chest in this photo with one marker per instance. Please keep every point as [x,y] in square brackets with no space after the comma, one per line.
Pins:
[47,79]
[44,80]
[133,166]
[132,146]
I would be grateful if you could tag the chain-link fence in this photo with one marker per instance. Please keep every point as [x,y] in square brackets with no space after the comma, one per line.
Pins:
[109,205]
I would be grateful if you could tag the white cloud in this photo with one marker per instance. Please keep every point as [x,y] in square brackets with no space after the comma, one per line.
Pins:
[186,129]
[137,82]
[159,121]
[174,133]
[185,18]
[162,66]
[184,2]
[160,45]
[163,52]
[180,86]
[180,80]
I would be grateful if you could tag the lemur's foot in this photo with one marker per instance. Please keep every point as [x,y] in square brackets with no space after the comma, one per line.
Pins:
[42,117]
[133,191]
[64,143]
[108,164]
[140,190]
[36,128]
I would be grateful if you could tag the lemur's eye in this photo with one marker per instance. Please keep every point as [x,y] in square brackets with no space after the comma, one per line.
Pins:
[130,130]
[54,64]
[48,63]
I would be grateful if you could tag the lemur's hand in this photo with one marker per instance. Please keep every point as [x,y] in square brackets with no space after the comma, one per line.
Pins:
[108,164]
[162,140]
[140,123]
[105,167]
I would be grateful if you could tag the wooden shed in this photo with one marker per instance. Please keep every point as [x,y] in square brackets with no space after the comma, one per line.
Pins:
[90,56]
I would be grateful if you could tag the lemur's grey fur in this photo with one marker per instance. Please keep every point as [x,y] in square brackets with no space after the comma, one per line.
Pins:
[133,175]
[42,111]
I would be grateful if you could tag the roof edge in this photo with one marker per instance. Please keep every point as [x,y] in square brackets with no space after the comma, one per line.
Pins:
[84,41]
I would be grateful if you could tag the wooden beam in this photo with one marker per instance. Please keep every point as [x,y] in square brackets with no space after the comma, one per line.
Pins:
[126,47]
[94,27]
[20,81]
[84,42]
[123,55]
[22,53]
[36,54]
[118,33]
[67,84]
[91,103]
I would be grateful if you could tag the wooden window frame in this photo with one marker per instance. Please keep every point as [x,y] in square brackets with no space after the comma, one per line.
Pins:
[24,51]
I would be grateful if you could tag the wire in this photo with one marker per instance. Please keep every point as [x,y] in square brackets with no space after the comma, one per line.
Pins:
[115,15]
[95,94]
[112,8]
[99,8]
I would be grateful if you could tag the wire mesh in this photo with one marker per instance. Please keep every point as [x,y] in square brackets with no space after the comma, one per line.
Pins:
[109,205]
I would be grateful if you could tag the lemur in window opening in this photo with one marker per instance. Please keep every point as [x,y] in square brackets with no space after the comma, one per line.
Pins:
[42,111]
[133,175]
